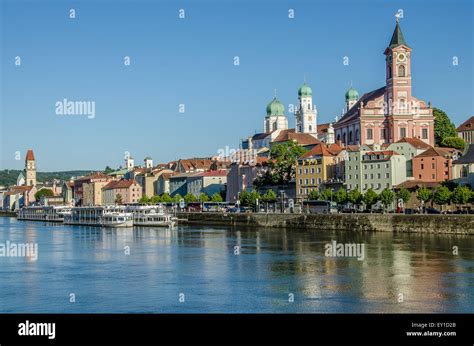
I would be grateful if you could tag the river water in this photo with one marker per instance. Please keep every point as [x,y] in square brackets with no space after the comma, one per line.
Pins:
[231,270]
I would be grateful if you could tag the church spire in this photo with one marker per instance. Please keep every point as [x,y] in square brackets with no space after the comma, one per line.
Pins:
[397,37]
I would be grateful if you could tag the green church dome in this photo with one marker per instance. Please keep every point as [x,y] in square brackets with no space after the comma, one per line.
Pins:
[305,90]
[275,108]
[352,94]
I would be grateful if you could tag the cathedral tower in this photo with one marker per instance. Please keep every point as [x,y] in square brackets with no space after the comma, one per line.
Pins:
[306,113]
[275,118]
[30,168]
[398,74]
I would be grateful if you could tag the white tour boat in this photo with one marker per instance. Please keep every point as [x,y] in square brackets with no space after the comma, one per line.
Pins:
[151,215]
[43,213]
[106,216]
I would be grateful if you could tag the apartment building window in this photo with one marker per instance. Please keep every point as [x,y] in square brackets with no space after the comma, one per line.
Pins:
[422,166]
[403,132]
[301,191]
[433,166]
[387,185]
[301,181]
[379,186]
[312,170]
[446,164]
[300,171]
[306,181]
[432,176]
[371,186]
[350,187]
[378,176]
[386,165]
[365,166]
[312,181]
[319,180]
[387,175]
[318,170]
[378,165]
[371,166]
[306,171]
[365,176]
[350,177]
[365,186]
[371,176]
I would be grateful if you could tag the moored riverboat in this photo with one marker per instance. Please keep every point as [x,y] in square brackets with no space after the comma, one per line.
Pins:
[106,216]
[149,215]
[43,213]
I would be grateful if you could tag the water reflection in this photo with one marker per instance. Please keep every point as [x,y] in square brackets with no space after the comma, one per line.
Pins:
[144,269]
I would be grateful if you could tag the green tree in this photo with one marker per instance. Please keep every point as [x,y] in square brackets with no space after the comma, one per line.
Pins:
[144,200]
[340,196]
[370,198]
[216,197]
[387,196]
[269,196]
[443,127]
[442,196]
[190,198]
[461,195]
[177,198]
[155,199]
[166,198]
[354,196]
[248,199]
[108,170]
[424,194]
[118,199]
[327,195]
[404,195]
[203,197]
[282,163]
[43,192]
[453,142]
[313,195]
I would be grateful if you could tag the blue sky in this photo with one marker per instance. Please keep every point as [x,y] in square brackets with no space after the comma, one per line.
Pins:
[190,61]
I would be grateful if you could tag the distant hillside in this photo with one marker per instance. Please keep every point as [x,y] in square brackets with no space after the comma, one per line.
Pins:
[9,176]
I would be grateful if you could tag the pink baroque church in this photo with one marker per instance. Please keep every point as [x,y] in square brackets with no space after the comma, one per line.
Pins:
[389,113]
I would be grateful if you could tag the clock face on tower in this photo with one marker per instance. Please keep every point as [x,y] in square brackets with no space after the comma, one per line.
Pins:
[401,57]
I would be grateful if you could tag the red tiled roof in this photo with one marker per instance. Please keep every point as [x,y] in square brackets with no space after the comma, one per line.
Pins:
[29,155]
[415,142]
[335,148]
[437,151]
[323,128]
[468,125]
[300,138]
[119,184]
[318,150]
[195,163]
[218,173]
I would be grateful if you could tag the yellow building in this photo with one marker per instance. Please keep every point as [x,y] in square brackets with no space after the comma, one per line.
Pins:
[321,164]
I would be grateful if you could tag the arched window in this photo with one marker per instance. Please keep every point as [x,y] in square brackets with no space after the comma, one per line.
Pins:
[309,107]
[401,71]
[339,137]
[274,126]
[357,135]
[344,138]
[350,136]
[390,72]
[310,128]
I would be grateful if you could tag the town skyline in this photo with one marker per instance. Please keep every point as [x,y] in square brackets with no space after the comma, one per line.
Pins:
[217,96]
